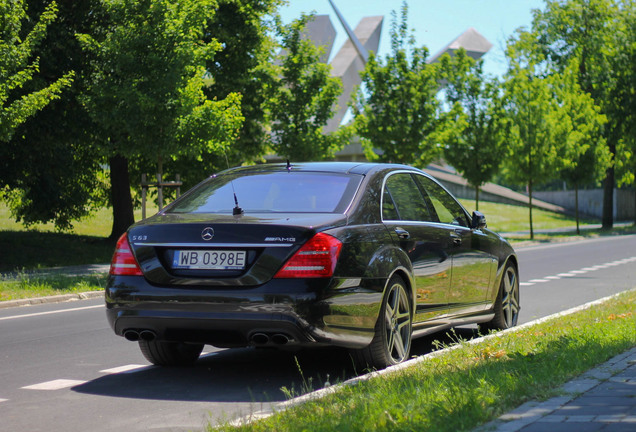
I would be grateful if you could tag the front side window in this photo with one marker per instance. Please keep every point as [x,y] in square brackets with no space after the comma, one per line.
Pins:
[284,192]
[403,200]
[447,209]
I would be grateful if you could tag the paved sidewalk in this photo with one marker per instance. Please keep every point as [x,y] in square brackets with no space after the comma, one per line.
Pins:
[602,399]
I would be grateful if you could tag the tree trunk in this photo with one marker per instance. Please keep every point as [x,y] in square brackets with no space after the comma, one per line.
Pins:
[121,199]
[576,207]
[608,193]
[530,205]
[477,198]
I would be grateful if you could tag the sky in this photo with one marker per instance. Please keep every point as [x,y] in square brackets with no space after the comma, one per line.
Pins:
[435,22]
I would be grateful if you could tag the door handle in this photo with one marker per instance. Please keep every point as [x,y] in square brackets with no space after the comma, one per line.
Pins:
[457,240]
[402,233]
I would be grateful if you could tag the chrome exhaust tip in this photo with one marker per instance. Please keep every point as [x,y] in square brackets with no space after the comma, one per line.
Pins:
[259,339]
[147,335]
[131,335]
[280,339]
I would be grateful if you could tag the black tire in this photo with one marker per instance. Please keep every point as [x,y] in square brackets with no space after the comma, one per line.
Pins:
[507,302]
[391,343]
[162,353]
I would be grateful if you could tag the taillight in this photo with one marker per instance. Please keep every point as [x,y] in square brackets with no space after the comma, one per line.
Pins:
[123,262]
[315,259]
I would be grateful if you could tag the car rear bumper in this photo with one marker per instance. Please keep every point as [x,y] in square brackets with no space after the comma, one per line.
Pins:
[339,312]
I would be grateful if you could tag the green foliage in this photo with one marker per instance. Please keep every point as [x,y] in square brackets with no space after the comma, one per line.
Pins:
[50,168]
[396,110]
[145,89]
[146,84]
[552,121]
[623,92]
[245,66]
[475,124]
[17,66]
[597,34]
[300,106]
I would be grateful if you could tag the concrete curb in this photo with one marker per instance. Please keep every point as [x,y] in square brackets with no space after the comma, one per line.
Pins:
[51,299]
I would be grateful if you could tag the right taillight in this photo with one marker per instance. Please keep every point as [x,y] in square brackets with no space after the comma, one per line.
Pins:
[124,262]
[315,259]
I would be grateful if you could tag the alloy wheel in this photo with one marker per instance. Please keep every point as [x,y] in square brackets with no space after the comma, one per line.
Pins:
[398,323]
[510,297]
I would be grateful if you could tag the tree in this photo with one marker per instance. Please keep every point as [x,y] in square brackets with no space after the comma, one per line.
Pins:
[539,135]
[49,167]
[587,30]
[476,128]
[590,163]
[17,67]
[623,94]
[145,89]
[396,110]
[244,65]
[302,103]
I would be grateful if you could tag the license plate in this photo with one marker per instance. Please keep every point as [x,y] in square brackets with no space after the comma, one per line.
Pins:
[209,260]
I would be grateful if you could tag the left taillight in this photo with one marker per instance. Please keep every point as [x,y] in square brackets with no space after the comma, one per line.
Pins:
[315,259]
[124,262]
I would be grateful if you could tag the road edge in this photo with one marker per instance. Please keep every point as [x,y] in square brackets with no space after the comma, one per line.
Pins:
[51,299]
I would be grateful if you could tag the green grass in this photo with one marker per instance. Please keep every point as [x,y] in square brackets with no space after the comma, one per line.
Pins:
[463,388]
[42,246]
[510,218]
[25,285]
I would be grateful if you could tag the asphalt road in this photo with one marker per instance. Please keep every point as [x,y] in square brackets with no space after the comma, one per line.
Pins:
[62,369]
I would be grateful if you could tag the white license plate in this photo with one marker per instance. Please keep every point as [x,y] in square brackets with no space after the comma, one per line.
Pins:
[209,260]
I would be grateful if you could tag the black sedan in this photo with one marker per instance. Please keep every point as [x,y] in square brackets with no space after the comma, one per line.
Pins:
[357,255]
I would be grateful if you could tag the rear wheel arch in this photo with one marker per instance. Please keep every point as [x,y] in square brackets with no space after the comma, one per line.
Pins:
[408,282]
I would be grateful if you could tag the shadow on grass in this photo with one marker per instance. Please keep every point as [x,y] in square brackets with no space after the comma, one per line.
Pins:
[28,250]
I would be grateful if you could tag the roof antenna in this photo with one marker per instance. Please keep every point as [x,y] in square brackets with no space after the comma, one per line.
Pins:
[288,165]
[236,211]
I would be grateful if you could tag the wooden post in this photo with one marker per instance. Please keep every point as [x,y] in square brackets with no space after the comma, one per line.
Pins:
[159,191]
[144,189]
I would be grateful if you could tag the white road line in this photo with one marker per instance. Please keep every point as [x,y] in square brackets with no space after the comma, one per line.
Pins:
[50,312]
[54,385]
[126,368]
[3,400]
[573,273]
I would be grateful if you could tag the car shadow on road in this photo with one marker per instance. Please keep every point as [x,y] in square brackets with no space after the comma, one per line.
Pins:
[247,374]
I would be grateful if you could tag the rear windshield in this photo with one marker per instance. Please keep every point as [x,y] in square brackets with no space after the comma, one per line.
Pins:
[278,192]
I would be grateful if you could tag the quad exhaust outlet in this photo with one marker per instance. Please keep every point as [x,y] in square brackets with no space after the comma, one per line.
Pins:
[134,335]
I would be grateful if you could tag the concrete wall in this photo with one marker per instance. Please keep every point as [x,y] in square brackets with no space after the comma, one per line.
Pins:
[459,187]
[591,202]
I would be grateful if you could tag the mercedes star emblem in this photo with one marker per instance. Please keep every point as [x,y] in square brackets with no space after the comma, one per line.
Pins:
[207,233]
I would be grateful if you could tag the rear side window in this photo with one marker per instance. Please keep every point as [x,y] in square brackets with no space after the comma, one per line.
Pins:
[403,200]
[284,192]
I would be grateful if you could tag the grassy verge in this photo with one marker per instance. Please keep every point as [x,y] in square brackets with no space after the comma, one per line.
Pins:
[510,218]
[33,250]
[42,246]
[33,285]
[473,384]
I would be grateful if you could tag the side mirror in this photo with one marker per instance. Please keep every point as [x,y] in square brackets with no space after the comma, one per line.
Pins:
[479,220]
